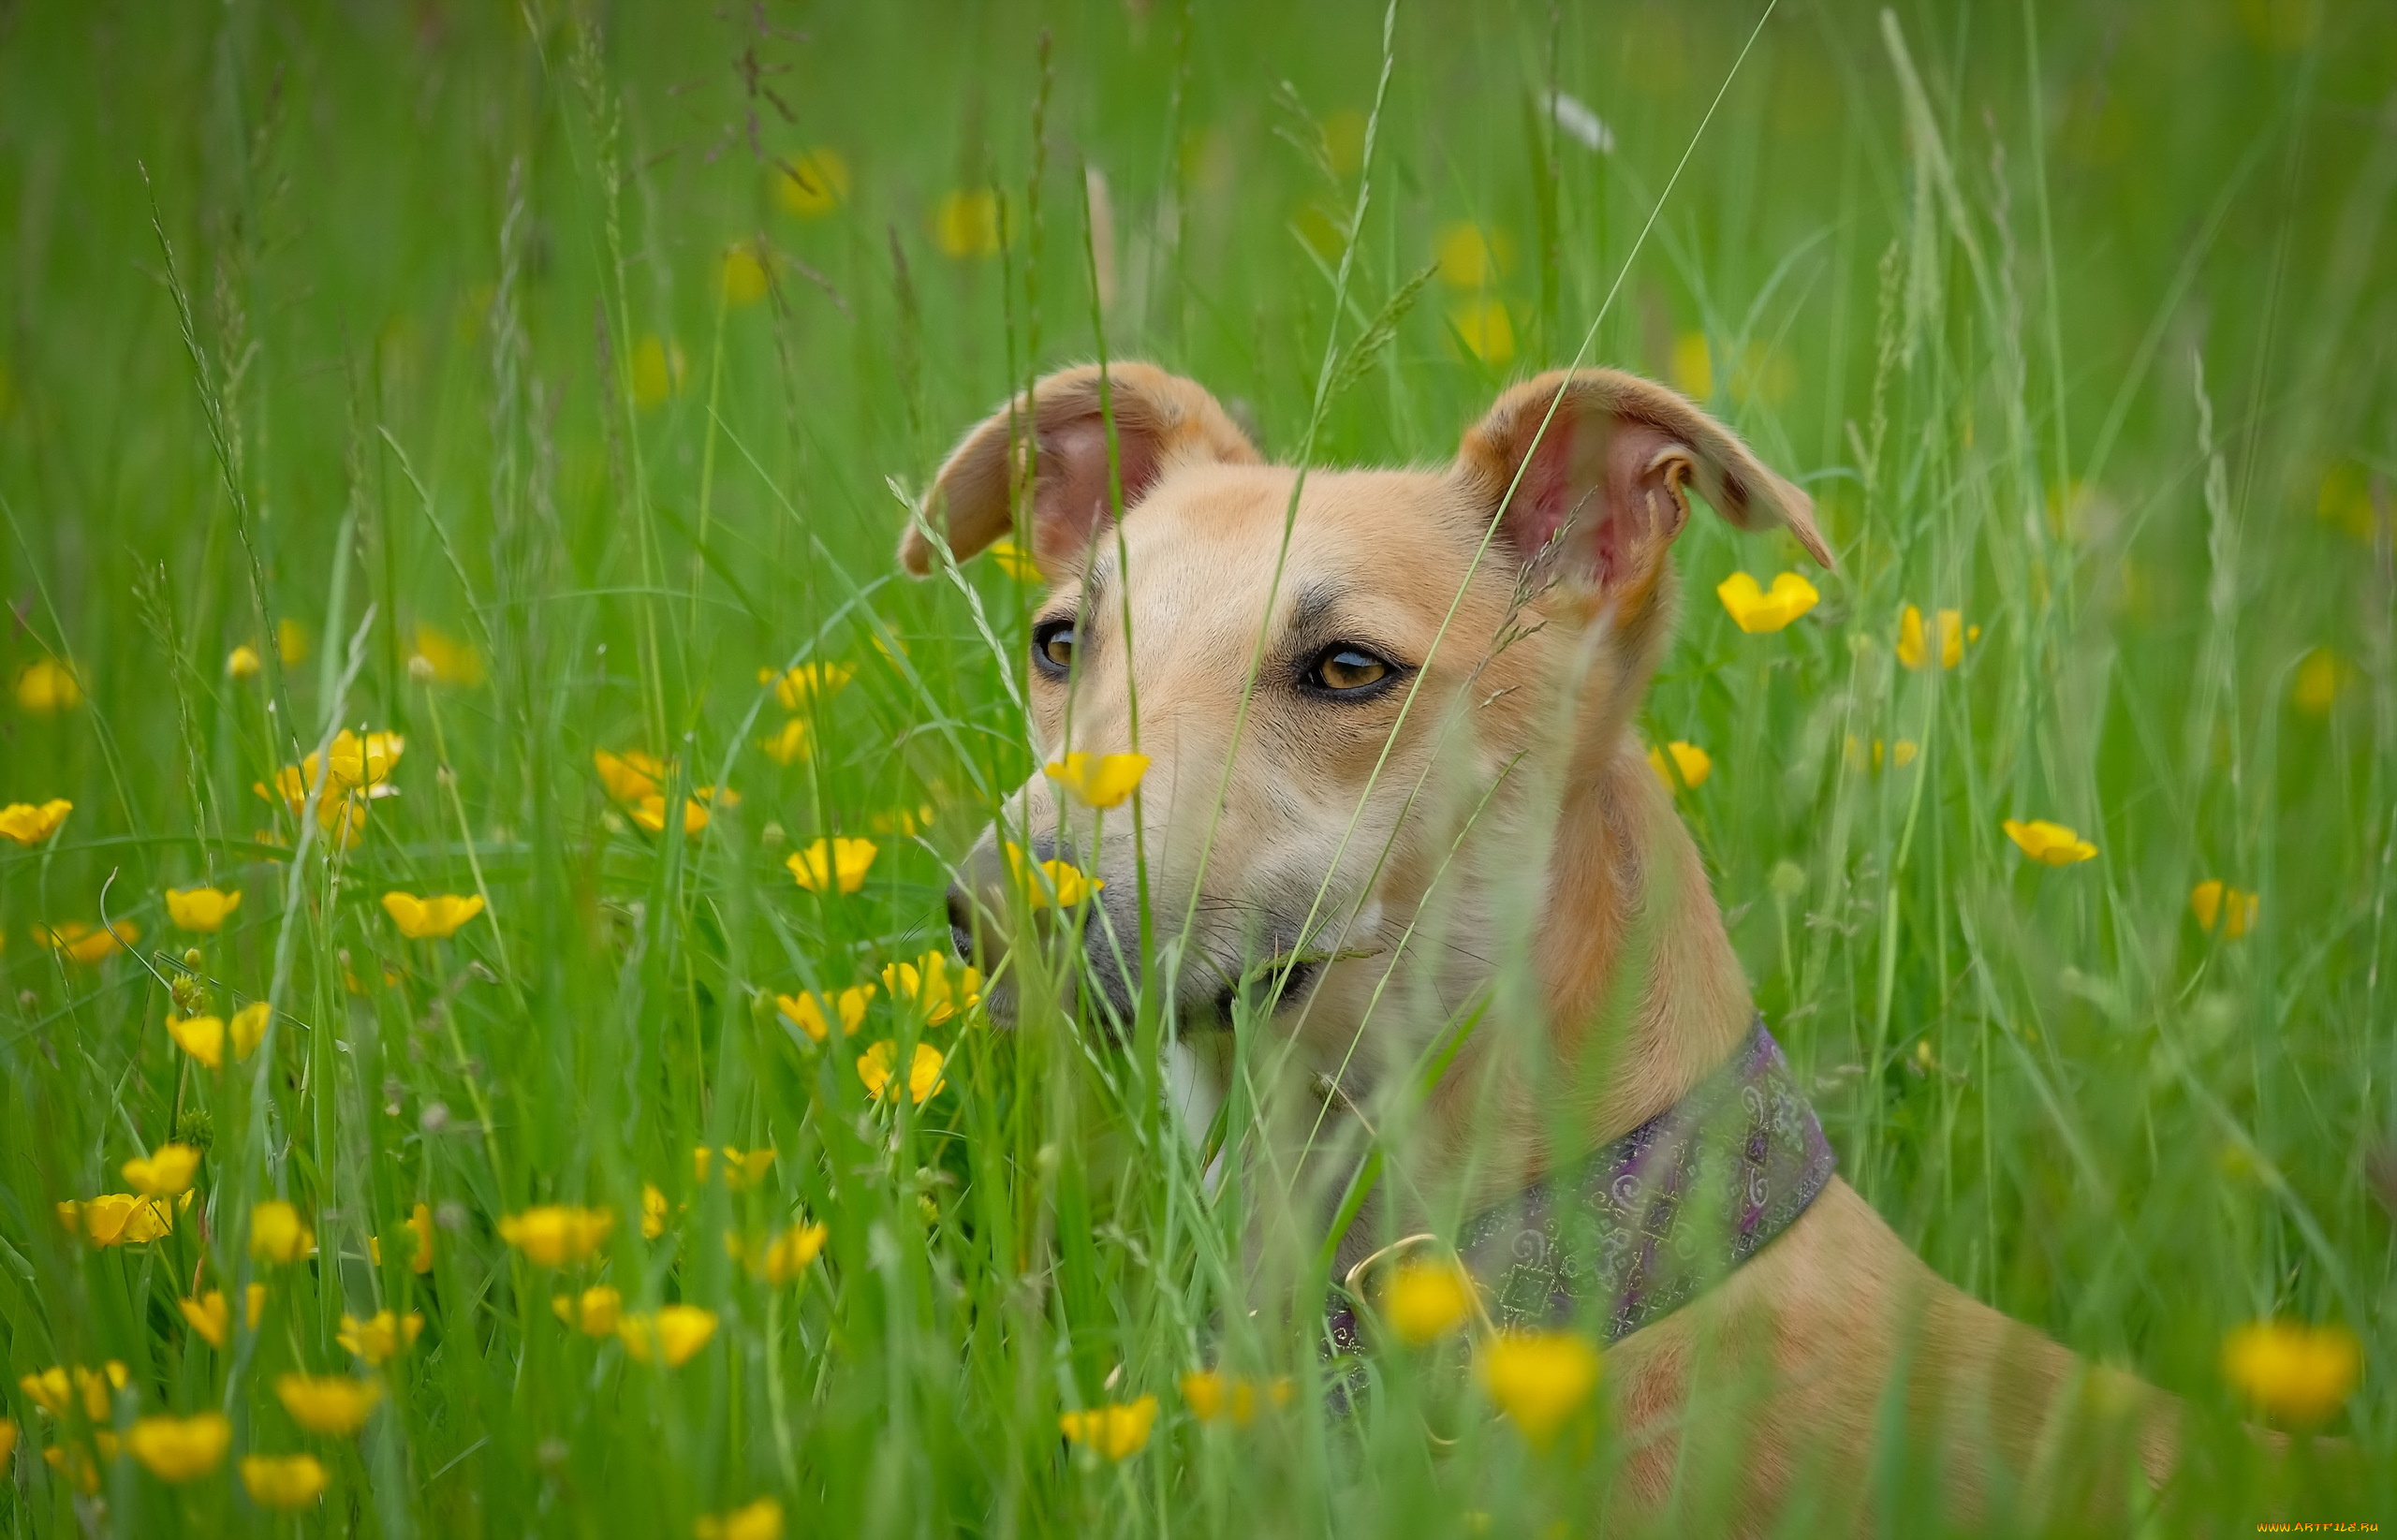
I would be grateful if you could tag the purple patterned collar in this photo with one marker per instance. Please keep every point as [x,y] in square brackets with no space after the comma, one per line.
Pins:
[1646,1223]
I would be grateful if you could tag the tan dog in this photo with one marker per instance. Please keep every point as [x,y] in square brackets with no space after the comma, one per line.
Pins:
[1432,788]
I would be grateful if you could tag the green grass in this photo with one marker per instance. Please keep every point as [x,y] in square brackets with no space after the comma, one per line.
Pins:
[2076,320]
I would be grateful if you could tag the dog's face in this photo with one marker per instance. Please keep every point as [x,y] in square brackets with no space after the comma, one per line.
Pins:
[1327,716]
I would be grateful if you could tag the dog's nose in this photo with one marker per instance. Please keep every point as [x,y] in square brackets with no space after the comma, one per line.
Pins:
[961,924]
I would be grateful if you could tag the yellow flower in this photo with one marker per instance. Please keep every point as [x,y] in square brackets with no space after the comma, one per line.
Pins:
[7,1441]
[86,944]
[629,776]
[420,1227]
[650,813]
[57,1394]
[48,685]
[1914,647]
[244,662]
[249,1028]
[1099,780]
[2298,1372]
[332,1404]
[924,1078]
[2235,910]
[380,1336]
[76,1464]
[907,822]
[758,1520]
[658,371]
[1016,561]
[357,763]
[277,1234]
[1118,1430]
[1538,1379]
[653,1212]
[285,1483]
[201,1036]
[927,983]
[809,682]
[789,746]
[1427,1301]
[593,1312]
[448,660]
[806,1010]
[165,1172]
[1485,328]
[179,1448]
[200,909]
[436,918]
[2051,844]
[1470,257]
[965,224]
[1212,1396]
[1900,753]
[551,1235]
[674,1336]
[793,1251]
[29,825]
[118,1219]
[740,1168]
[211,1317]
[839,860]
[812,182]
[2320,676]
[1061,884]
[1693,365]
[290,642]
[743,273]
[2344,498]
[1694,763]
[1755,610]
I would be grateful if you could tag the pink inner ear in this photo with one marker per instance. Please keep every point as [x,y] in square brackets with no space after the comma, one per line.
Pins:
[1599,480]
[1072,503]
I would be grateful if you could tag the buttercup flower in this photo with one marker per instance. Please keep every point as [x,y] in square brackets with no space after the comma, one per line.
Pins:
[1538,1379]
[965,224]
[650,813]
[1212,1396]
[358,763]
[825,864]
[551,1235]
[2051,844]
[278,1235]
[249,1028]
[86,944]
[787,746]
[1117,1430]
[7,1441]
[1694,763]
[1484,327]
[165,1172]
[2213,902]
[806,1010]
[1913,646]
[1427,1301]
[674,1336]
[927,982]
[420,1227]
[436,918]
[758,1520]
[1016,561]
[740,1168]
[285,1483]
[1754,608]
[1899,755]
[48,685]
[1099,780]
[74,1462]
[810,681]
[1471,257]
[1693,365]
[448,660]
[658,371]
[593,1312]
[1057,884]
[792,1253]
[29,825]
[334,1405]
[629,776]
[200,909]
[380,1336]
[290,642]
[56,1393]
[812,182]
[244,662]
[924,1078]
[653,1212]
[743,273]
[118,1219]
[179,1449]
[2300,1373]
[907,822]
[211,1317]
[2320,676]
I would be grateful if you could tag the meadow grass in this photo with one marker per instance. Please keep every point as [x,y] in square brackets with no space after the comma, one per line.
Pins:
[534,385]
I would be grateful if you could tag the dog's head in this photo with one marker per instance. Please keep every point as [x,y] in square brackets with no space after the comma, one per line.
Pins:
[1363,693]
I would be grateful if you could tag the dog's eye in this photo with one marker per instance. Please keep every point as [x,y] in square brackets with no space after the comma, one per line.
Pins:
[1347,669]
[1052,645]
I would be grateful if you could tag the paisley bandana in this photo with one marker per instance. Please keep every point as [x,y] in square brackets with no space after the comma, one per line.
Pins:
[1648,1222]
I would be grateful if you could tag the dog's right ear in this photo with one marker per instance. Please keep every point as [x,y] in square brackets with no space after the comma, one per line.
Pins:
[1060,428]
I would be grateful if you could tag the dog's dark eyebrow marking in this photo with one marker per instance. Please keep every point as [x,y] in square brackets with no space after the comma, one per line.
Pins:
[1316,603]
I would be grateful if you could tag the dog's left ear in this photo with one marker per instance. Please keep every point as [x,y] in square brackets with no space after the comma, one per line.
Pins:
[1603,479]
